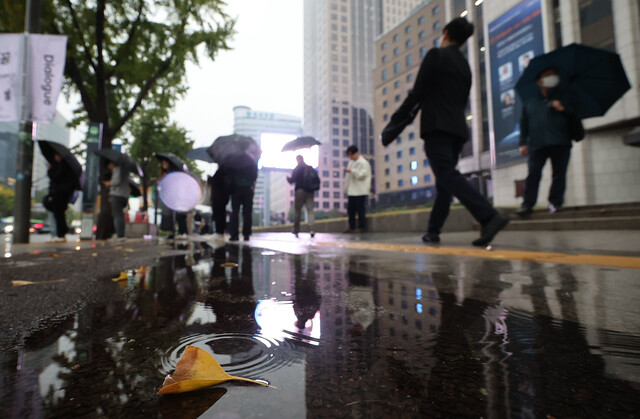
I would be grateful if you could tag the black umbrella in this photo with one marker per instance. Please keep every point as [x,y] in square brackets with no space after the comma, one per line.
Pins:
[592,79]
[50,149]
[300,142]
[235,151]
[200,153]
[120,159]
[173,160]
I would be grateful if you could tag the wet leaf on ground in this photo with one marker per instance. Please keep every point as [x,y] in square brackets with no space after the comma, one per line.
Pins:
[197,369]
[19,283]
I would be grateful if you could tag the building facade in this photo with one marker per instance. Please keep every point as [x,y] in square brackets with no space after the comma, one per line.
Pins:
[271,187]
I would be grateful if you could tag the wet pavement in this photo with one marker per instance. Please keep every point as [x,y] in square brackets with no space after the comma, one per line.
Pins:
[341,326]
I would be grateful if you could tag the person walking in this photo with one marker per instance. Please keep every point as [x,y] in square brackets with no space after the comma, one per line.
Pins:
[303,195]
[545,133]
[441,90]
[244,182]
[62,183]
[357,186]
[221,190]
[118,186]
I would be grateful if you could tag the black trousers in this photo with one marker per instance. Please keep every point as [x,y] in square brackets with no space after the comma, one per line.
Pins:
[443,151]
[356,206]
[559,156]
[60,203]
[241,197]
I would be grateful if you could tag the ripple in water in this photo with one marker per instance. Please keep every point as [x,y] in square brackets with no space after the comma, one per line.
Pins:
[244,355]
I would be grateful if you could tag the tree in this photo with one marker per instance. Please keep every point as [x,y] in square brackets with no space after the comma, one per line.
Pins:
[6,200]
[151,134]
[124,55]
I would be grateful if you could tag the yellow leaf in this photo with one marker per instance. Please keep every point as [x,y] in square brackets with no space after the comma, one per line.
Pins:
[123,276]
[22,283]
[54,255]
[197,369]
[229,265]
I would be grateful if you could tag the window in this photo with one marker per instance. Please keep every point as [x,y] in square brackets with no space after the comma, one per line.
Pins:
[325,173]
[384,74]
[396,51]
[409,60]
[423,53]
[336,153]
[436,42]
[422,34]
[336,195]
[325,184]
[427,178]
[386,158]
[400,182]
[596,24]
[335,109]
[420,20]
[335,121]
[336,142]
[409,78]
[336,174]
[396,84]
[436,25]
[425,163]
[399,168]
[385,104]
[325,194]
[414,165]
[345,143]
[399,154]
[412,151]
[335,131]
[345,132]
[385,117]
[387,185]
[326,205]
[384,90]
[387,171]
[395,37]
[407,29]
[396,67]
[384,58]
[408,43]
[399,141]
[436,10]
[345,121]
[397,98]
[336,205]
[383,46]
[414,180]
[345,111]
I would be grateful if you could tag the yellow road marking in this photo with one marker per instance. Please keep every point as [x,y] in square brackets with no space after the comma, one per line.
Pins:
[627,262]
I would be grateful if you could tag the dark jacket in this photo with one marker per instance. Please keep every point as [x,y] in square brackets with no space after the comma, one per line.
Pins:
[62,181]
[297,175]
[442,90]
[543,126]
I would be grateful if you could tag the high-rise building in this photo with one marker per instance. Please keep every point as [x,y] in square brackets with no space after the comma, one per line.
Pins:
[395,11]
[269,201]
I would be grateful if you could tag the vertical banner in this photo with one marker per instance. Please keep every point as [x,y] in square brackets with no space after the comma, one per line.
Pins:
[47,54]
[92,173]
[514,38]
[10,75]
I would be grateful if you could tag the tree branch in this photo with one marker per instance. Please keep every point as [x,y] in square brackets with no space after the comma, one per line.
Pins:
[74,73]
[76,25]
[132,32]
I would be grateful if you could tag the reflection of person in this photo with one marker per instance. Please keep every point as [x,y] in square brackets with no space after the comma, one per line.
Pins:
[302,197]
[244,182]
[357,186]
[442,90]
[545,134]
[61,186]
[167,214]
[306,301]
[118,195]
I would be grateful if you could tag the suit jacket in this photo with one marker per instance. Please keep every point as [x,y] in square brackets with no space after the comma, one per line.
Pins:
[442,90]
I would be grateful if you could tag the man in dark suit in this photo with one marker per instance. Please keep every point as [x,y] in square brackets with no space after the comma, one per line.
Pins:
[441,91]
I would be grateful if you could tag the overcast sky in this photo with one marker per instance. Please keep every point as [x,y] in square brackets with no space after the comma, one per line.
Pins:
[263,70]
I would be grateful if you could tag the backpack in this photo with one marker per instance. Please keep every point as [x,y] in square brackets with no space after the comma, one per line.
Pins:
[310,179]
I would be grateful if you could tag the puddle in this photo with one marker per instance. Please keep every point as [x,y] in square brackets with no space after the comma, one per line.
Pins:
[336,337]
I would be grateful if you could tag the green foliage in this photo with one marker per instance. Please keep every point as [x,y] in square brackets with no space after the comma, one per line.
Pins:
[6,201]
[127,55]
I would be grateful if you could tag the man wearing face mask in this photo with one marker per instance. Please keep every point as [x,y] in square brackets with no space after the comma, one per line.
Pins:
[545,127]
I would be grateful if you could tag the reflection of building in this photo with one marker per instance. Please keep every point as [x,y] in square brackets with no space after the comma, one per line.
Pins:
[403,173]
[253,124]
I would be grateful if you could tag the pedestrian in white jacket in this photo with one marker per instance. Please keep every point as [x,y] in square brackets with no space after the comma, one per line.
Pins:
[357,186]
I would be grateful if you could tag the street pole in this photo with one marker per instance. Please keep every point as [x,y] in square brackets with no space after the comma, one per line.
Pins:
[22,206]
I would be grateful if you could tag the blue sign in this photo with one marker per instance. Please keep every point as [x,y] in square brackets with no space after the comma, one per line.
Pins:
[514,38]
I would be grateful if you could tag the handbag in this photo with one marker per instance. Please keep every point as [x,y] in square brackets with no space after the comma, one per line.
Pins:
[394,128]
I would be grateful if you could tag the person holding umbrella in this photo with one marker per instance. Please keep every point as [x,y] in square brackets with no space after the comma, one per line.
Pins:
[303,195]
[62,184]
[545,133]
[119,190]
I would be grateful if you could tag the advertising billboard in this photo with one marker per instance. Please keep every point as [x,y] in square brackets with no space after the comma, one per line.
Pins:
[272,156]
[515,38]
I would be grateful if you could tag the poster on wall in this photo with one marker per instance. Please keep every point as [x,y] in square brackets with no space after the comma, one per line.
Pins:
[515,38]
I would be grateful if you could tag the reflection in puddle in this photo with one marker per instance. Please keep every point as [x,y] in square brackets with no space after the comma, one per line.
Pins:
[338,336]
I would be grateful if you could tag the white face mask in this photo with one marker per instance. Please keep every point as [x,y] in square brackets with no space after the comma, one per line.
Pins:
[551,80]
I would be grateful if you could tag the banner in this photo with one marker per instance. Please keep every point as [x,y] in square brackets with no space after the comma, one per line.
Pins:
[47,54]
[514,38]
[10,74]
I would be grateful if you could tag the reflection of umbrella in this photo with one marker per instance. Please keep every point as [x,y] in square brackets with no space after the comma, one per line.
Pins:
[120,159]
[173,160]
[592,78]
[50,148]
[300,142]
[134,189]
[180,191]
[199,154]
[235,151]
